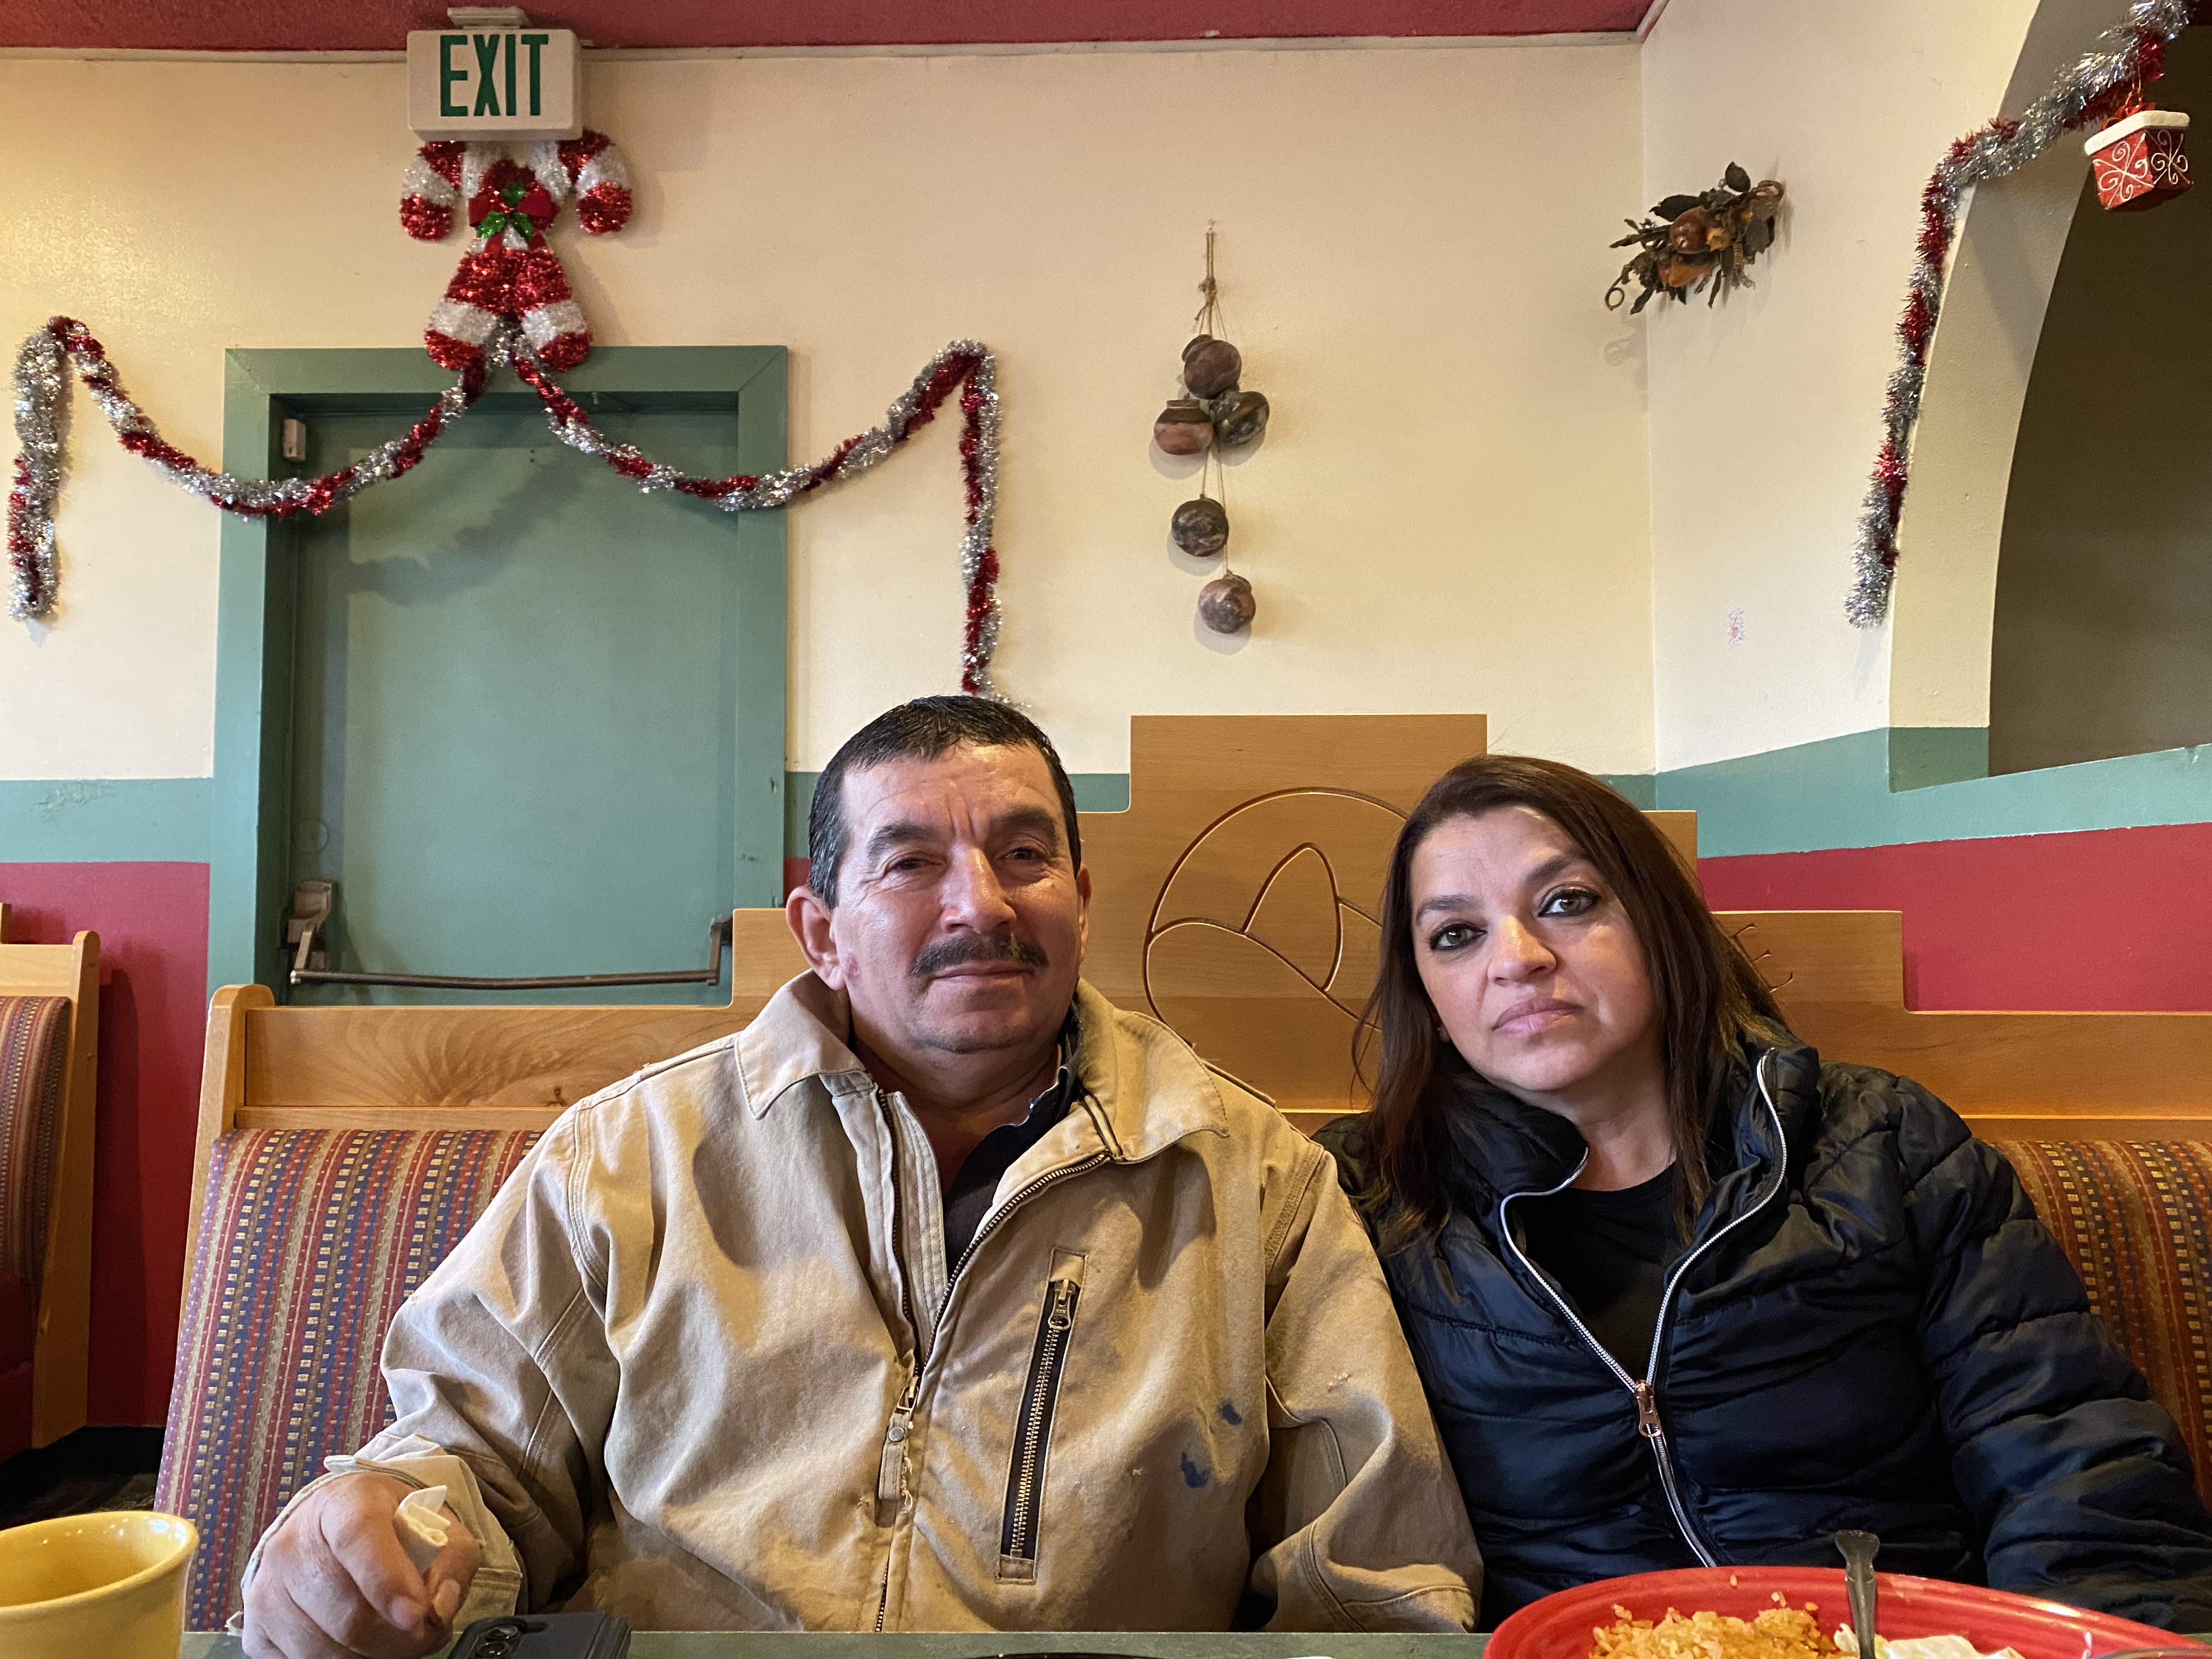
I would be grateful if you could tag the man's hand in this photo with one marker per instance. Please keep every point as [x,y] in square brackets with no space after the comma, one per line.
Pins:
[335,1582]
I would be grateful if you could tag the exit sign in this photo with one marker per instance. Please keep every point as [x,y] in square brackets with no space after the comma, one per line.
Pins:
[501,82]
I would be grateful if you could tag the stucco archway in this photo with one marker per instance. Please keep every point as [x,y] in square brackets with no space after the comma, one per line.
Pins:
[2011,238]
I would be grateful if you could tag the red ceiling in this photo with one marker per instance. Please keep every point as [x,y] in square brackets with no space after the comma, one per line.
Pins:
[382,25]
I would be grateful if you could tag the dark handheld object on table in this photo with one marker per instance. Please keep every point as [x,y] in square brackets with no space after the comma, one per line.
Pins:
[545,1636]
[1859,1549]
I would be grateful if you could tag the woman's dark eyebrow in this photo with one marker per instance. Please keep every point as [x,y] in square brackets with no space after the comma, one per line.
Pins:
[1552,866]
[1542,874]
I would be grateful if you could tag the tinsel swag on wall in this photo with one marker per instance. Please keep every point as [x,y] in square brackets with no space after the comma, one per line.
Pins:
[41,388]
[2089,93]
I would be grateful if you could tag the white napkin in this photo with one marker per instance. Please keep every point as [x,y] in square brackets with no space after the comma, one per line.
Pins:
[423,1525]
[1920,1647]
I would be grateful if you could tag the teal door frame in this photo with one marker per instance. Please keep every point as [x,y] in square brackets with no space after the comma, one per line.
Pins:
[256,607]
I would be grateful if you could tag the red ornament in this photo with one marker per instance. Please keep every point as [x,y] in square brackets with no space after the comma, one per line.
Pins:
[2138,160]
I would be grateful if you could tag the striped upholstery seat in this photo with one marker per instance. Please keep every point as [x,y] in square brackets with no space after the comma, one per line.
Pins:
[33,1061]
[309,1239]
[2135,1217]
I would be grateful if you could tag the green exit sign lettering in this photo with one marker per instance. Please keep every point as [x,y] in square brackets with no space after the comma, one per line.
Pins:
[472,82]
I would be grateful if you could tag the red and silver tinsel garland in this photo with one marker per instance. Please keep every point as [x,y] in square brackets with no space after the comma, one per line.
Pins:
[2125,57]
[42,370]
[964,363]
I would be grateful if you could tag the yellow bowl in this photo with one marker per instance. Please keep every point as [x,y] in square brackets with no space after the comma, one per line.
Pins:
[111,1583]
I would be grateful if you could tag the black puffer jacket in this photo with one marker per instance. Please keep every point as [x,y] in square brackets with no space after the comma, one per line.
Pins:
[1870,1328]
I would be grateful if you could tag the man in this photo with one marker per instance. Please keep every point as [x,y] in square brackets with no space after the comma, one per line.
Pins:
[943,1296]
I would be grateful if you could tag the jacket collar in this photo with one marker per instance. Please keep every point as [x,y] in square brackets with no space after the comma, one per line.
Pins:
[1144,1087]
[799,1036]
[1147,1088]
[1506,1146]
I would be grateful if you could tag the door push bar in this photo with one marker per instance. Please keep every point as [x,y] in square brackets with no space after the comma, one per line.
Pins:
[313,902]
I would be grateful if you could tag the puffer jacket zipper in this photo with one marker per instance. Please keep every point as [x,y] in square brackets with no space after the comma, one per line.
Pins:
[1018,1543]
[1644,1391]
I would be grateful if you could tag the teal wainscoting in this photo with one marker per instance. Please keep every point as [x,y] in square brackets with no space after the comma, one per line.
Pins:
[1878,788]
[1840,792]
[104,820]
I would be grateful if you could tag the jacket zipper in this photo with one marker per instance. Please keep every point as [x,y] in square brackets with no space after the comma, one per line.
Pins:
[1644,1392]
[991,1224]
[1033,1432]
[890,1468]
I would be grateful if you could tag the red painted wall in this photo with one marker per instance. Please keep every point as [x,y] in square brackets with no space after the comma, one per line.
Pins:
[2105,919]
[152,923]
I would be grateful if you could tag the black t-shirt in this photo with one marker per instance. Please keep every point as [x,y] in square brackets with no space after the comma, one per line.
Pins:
[1610,1253]
[967,1197]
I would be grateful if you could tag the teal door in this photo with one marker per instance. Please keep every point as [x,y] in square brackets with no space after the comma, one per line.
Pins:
[532,717]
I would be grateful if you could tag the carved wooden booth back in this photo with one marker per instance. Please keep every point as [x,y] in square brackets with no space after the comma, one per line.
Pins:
[1237,898]
[1239,895]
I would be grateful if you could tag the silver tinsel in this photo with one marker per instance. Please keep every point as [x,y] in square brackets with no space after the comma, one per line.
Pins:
[41,382]
[42,369]
[41,394]
[855,457]
[1997,149]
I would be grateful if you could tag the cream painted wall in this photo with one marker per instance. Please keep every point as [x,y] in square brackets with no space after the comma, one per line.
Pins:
[1449,512]
[1766,411]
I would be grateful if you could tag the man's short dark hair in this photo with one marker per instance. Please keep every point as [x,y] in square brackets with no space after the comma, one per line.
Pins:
[922,730]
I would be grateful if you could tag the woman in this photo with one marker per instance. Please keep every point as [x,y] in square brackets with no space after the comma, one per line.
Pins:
[1680,1291]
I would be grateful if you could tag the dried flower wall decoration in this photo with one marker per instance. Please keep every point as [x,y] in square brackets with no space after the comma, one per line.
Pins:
[1707,239]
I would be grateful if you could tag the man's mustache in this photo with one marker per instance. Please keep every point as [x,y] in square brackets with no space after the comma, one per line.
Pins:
[976,947]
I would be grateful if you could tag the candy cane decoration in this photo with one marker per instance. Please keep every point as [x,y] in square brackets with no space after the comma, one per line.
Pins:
[510,271]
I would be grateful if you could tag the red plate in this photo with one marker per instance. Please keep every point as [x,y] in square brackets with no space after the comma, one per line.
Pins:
[1560,1626]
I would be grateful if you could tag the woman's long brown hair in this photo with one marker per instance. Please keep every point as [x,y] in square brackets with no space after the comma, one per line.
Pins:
[1710,998]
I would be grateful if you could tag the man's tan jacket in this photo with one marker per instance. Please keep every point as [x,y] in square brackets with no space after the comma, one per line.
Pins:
[701,1362]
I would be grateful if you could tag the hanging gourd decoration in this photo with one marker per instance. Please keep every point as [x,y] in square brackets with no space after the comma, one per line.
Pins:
[1225,604]
[2137,160]
[1185,428]
[1200,528]
[1211,367]
[1239,418]
[1216,413]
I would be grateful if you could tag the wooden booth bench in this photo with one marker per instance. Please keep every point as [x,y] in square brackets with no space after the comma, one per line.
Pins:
[49,1045]
[342,1150]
